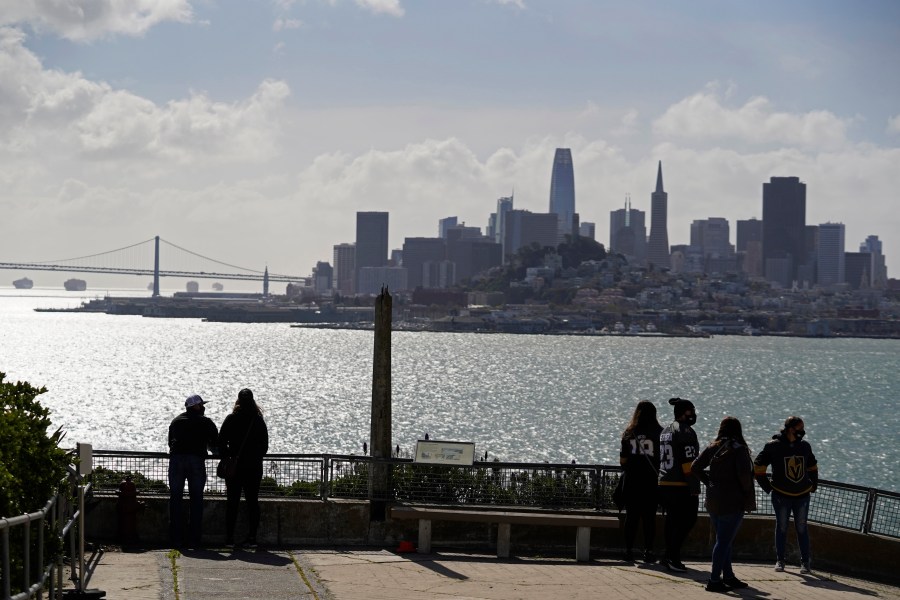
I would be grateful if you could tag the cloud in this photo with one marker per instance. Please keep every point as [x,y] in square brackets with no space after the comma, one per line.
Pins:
[384,7]
[703,116]
[893,125]
[85,21]
[520,4]
[282,23]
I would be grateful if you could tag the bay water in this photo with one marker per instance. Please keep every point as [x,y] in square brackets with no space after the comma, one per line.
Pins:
[117,381]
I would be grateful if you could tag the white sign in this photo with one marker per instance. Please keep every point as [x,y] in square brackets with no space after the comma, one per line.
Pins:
[445,453]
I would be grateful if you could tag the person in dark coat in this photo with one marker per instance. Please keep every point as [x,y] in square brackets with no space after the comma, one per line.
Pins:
[729,494]
[245,437]
[191,434]
[639,457]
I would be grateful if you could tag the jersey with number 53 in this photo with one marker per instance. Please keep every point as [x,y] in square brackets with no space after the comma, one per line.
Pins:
[678,447]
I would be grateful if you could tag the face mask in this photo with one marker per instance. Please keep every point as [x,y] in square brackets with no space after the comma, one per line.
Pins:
[799,434]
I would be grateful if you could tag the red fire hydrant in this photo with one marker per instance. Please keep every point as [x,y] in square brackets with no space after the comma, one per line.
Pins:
[127,508]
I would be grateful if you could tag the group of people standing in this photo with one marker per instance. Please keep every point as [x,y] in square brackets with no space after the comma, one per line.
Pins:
[243,438]
[663,466]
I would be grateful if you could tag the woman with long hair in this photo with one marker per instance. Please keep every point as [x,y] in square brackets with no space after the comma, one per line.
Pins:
[639,457]
[244,437]
[729,493]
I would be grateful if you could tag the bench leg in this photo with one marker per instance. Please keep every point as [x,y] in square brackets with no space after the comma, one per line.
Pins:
[583,544]
[503,540]
[424,536]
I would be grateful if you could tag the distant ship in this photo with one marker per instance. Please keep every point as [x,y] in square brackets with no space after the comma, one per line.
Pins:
[218,286]
[75,285]
[192,287]
[23,284]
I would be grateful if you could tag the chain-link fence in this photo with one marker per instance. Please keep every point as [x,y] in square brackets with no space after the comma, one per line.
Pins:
[534,485]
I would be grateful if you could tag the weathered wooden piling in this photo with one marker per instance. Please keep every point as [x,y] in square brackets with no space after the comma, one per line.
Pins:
[380,433]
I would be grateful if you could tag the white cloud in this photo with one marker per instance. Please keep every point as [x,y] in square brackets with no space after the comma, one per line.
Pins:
[704,117]
[386,7]
[893,125]
[282,23]
[84,21]
[520,4]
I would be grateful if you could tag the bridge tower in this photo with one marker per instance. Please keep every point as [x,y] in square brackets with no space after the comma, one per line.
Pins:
[266,282]
[156,269]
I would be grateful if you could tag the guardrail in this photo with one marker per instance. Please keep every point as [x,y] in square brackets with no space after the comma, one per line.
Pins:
[537,485]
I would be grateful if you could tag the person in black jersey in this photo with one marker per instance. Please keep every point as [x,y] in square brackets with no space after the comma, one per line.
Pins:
[679,488]
[795,475]
[191,434]
[639,457]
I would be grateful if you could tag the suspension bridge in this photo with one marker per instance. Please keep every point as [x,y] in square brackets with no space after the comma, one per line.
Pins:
[143,258]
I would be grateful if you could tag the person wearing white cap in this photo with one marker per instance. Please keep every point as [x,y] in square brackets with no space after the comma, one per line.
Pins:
[191,434]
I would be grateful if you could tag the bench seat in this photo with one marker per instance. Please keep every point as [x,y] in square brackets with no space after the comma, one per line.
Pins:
[505,519]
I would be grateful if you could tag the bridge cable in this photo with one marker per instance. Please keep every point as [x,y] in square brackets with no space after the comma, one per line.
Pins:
[210,259]
[44,262]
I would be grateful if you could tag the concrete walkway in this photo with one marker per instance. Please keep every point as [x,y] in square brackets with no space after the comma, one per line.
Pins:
[371,574]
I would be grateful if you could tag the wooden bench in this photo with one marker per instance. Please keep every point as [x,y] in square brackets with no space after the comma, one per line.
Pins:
[505,519]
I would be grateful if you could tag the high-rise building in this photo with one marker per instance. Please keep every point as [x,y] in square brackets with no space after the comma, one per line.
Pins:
[344,268]
[371,241]
[373,279]
[749,246]
[562,192]
[444,225]
[628,233]
[417,252]
[784,229]
[323,274]
[830,254]
[658,242]
[872,245]
[496,228]
[588,230]
[710,242]
[524,227]
[858,268]
[748,231]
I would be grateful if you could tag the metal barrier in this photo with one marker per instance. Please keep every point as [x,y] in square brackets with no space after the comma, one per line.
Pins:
[538,485]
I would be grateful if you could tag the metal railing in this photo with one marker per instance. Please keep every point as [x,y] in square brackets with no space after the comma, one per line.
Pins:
[61,517]
[527,485]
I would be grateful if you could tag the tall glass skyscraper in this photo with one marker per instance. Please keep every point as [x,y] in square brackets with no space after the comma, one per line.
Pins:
[784,233]
[371,241]
[562,191]
[658,243]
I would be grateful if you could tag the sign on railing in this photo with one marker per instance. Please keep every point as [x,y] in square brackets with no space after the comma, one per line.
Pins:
[434,452]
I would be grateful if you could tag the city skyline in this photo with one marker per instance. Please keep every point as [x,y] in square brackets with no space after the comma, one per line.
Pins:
[254,132]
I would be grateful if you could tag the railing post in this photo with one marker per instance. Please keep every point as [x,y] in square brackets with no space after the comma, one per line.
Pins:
[323,475]
[5,574]
[26,558]
[871,499]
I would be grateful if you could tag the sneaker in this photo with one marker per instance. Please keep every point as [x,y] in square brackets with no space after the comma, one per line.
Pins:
[676,566]
[779,566]
[716,586]
[649,558]
[804,568]
[734,583]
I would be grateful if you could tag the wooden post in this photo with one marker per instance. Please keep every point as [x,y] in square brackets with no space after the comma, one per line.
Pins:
[380,434]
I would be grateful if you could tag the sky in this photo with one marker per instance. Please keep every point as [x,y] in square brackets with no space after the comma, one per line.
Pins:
[253,131]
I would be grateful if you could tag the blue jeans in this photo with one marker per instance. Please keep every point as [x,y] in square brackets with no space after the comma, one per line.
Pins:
[190,468]
[726,527]
[784,506]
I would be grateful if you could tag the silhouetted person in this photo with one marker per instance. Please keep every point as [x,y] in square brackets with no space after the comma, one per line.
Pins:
[190,436]
[679,490]
[244,436]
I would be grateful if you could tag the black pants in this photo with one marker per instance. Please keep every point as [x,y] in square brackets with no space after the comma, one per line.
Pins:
[247,480]
[681,515]
[641,509]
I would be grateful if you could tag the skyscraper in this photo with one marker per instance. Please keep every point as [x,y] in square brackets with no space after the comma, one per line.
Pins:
[628,233]
[872,245]
[371,241]
[344,267]
[497,225]
[524,227]
[784,229]
[830,254]
[562,192]
[658,243]
[444,225]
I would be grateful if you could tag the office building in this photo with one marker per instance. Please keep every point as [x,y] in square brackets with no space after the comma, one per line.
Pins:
[371,241]
[749,230]
[710,241]
[471,254]
[444,225]
[830,254]
[524,228]
[588,230]
[872,245]
[323,275]
[417,252]
[562,193]
[628,233]
[784,235]
[373,279]
[496,228]
[344,268]
[749,247]
[658,242]
[858,269]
